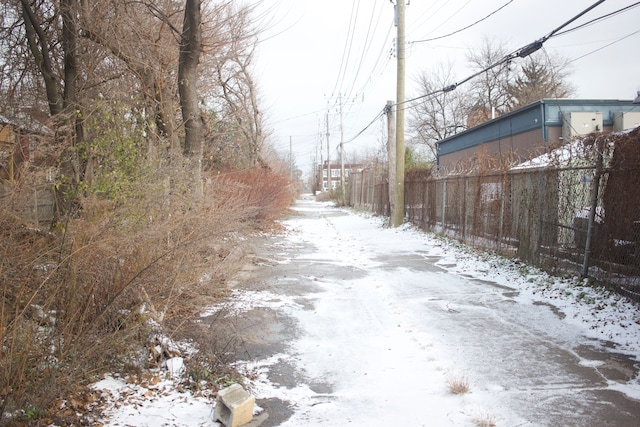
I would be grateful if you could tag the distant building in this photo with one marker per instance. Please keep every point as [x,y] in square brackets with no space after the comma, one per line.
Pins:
[23,144]
[527,132]
[322,174]
[20,140]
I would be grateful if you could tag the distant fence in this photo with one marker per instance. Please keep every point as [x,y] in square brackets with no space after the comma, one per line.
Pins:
[35,203]
[579,212]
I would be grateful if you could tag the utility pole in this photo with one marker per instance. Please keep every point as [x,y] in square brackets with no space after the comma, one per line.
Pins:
[391,154]
[397,216]
[321,164]
[342,189]
[328,155]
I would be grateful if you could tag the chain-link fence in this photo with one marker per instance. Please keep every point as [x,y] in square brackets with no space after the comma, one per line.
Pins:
[574,210]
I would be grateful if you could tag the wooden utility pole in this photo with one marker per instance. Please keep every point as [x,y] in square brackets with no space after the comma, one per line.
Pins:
[397,215]
[321,164]
[290,159]
[328,155]
[342,189]
[391,154]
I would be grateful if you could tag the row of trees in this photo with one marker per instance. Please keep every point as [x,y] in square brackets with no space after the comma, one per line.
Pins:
[168,79]
[497,91]
[146,99]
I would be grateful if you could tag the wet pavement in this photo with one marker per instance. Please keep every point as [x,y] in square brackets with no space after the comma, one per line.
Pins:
[539,367]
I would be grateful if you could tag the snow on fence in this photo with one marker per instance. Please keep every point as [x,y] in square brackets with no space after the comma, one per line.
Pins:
[575,210]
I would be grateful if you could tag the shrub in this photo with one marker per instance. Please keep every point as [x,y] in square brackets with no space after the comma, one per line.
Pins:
[263,193]
[84,299]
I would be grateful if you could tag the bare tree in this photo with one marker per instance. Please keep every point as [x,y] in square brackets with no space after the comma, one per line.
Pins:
[237,102]
[86,62]
[489,92]
[435,117]
[143,36]
[190,49]
[51,33]
[499,88]
[540,76]
[21,84]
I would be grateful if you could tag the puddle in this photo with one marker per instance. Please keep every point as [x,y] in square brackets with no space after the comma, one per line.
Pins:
[509,292]
[447,264]
[416,263]
[616,367]
[555,310]
[275,412]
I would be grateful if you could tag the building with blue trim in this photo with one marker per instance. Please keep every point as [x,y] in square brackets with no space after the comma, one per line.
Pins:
[535,129]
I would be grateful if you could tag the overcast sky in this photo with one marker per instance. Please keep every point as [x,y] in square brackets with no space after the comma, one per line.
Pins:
[315,53]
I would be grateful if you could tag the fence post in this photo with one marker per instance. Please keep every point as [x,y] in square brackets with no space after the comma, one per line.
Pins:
[503,197]
[425,205]
[599,147]
[444,203]
[465,189]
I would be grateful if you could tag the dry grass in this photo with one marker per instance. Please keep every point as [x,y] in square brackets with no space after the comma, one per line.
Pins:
[458,383]
[86,297]
[486,420]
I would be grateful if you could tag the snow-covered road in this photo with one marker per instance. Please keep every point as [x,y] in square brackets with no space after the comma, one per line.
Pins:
[348,322]
[383,321]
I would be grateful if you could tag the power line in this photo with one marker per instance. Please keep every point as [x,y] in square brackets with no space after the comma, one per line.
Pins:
[552,33]
[366,47]
[419,22]
[452,16]
[379,66]
[464,28]
[380,114]
[353,33]
[598,19]
[605,46]
[344,52]
[523,52]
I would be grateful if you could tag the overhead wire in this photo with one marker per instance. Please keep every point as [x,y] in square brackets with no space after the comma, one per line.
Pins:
[380,64]
[523,52]
[605,46]
[453,15]
[379,115]
[600,18]
[365,50]
[464,28]
[342,68]
[420,23]
[552,33]
[353,33]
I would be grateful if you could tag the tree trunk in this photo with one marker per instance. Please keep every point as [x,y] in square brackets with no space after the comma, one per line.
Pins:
[190,49]
[72,118]
[39,46]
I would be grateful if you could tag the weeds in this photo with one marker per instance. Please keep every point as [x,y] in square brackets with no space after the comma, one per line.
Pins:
[485,421]
[85,298]
[458,384]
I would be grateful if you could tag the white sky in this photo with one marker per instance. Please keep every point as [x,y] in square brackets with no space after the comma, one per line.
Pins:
[299,60]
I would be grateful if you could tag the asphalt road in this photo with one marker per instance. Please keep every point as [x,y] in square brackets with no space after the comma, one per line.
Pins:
[524,355]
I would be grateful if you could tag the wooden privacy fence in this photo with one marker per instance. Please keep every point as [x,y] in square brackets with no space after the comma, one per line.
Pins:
[583,218]
[34,204]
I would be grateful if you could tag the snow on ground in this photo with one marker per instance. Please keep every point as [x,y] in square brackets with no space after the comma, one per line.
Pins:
[156,402]
[426,371]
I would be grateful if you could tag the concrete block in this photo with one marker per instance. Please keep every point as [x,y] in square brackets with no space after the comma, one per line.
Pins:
[234,406]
